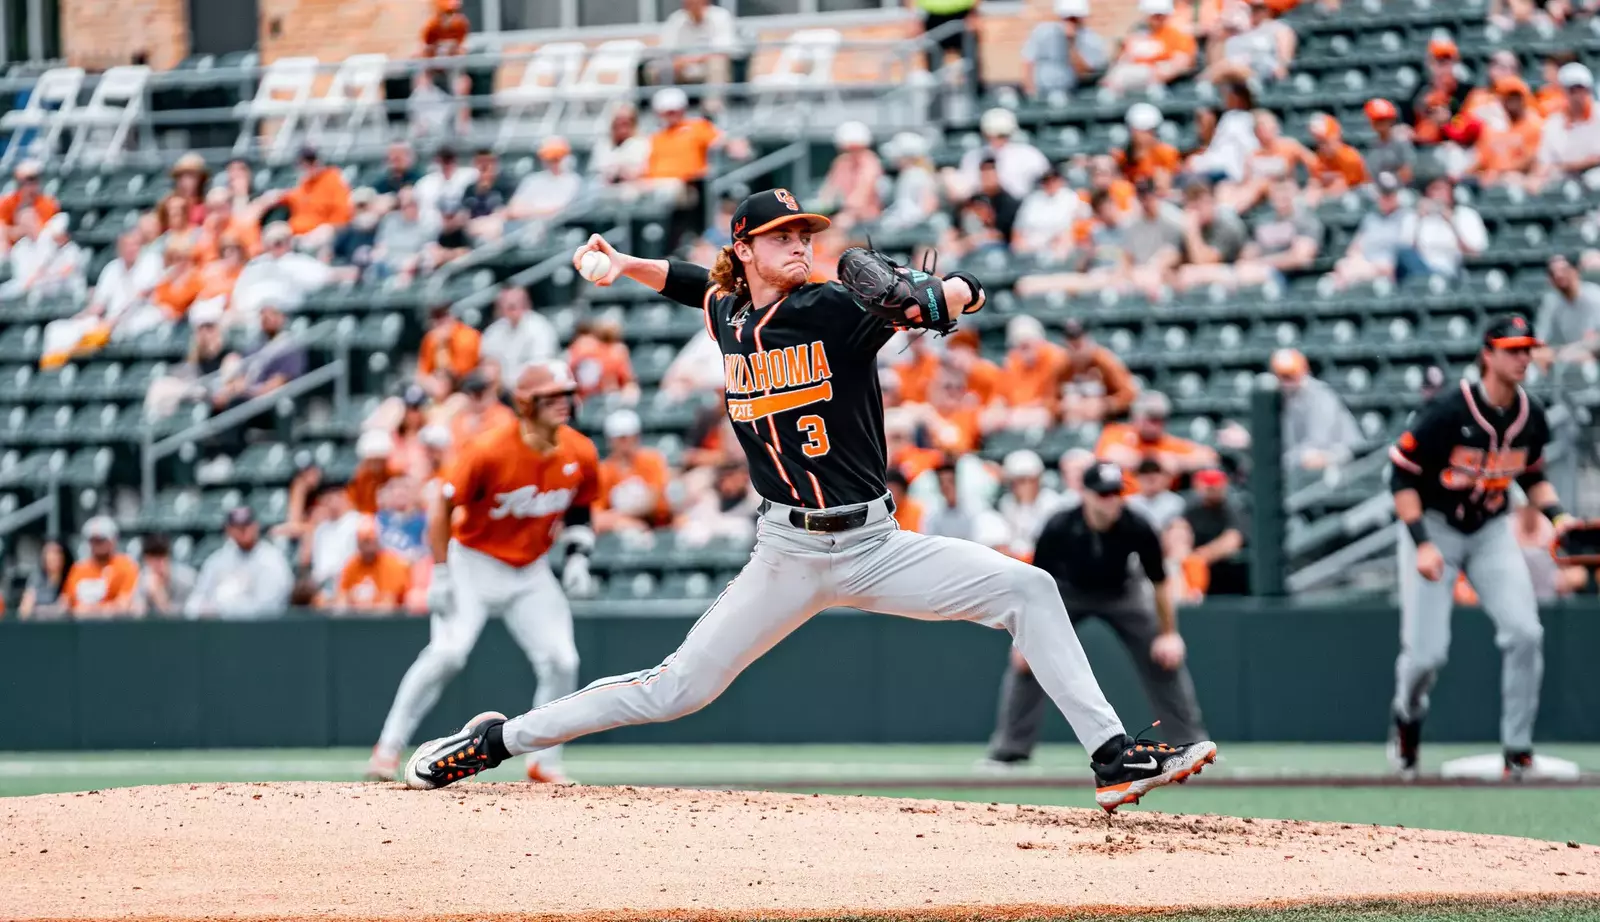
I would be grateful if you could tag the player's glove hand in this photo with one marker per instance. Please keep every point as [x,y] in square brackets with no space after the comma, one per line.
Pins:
[575,576]
[441,595]
[902,297]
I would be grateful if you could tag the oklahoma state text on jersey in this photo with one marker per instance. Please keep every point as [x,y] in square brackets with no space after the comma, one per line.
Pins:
[513,497]
[1461,453]
[802,387]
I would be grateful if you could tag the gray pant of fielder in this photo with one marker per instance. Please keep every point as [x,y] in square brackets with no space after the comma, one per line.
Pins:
[1498,572]
[1132,615]
[793,574]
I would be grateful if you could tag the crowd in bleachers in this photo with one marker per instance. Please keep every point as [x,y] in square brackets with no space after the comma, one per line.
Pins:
[1226,200]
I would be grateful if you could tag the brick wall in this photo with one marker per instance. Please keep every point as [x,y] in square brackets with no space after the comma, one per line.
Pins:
[104,33]
[333,29]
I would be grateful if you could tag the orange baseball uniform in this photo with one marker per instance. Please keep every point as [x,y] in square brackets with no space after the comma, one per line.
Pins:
[514,497]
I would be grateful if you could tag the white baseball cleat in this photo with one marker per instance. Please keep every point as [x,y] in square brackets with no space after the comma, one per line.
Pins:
[448,759]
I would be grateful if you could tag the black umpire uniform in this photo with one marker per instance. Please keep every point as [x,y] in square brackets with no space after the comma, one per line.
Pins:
[1095,571]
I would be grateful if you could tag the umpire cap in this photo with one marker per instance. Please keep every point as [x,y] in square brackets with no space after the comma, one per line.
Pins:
[763,211]
[1103,478]
[1510,332]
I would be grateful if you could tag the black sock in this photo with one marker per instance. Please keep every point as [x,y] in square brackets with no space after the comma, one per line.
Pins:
[1109,749]
[494,742]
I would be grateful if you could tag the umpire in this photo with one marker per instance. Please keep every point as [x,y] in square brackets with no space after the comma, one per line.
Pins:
[1092,552]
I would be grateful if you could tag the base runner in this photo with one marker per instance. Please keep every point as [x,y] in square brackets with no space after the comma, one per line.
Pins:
[802,389]
[516,490]
[1451,472]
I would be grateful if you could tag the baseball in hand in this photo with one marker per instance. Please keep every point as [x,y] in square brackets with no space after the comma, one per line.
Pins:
[594,265]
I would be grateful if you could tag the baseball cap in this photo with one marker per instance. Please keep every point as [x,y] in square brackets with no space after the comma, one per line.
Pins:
[414,396]
[1574,74]
[1143,116]
[1074,328]
[1072,8]
[1510,332]
[1023,463]
[621,424]
[1023,328]
[1388,183]
[240,517]
[670,99]
[475,382]
[1151,405]
[763,211]
[1443,47]
[997,122]
[1104,478]
[308,154]
[374,443]
[1289,363]
[1149,466]
[1156,7]
[1324,127]
[554,148]
[1210,477]
[100,527]
[207,311]
[1377,109]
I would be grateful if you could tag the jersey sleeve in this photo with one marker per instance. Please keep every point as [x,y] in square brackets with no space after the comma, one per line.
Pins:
[1424,446]
[463,479]
[589,463]
[687,283]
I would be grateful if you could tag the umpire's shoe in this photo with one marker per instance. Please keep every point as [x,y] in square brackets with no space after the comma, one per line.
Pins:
[1405,744]
[448,759]
[1143,765]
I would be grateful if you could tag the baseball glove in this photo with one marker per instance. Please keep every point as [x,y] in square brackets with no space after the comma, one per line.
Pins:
[884,288]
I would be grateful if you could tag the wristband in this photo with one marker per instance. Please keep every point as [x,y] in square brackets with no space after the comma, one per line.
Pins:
[1419,532]
[1553,512]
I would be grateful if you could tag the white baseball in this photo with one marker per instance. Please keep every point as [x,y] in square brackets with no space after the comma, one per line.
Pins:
[594,265]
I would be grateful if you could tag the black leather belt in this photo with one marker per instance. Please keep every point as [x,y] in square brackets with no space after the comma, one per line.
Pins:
[833,520]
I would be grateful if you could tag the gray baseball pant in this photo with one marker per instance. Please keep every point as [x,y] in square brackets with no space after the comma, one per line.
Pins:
[792,575]
[1132,615]
[1499,574]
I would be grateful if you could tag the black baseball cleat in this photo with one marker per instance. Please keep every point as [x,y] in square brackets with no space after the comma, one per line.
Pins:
[1519,762]
[1143,765]
[1405,740]
[448,759]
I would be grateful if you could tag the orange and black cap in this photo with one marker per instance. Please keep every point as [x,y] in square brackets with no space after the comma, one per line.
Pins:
[761,212]
[1510,332]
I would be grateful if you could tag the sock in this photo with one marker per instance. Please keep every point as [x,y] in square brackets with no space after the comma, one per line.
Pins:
[494,742]
[1110,748]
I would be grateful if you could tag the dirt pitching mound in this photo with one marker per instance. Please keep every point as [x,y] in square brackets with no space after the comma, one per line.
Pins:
[485,851]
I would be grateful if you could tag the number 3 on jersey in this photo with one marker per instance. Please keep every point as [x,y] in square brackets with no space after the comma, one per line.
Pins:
[816,430]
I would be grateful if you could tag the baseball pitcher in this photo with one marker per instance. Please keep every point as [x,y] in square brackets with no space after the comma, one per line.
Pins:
[802,394]
[1451,471]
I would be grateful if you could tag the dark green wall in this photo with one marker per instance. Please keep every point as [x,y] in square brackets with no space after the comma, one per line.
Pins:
[1263,672]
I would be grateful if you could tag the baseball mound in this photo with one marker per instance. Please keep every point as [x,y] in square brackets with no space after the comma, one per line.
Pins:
[494,851]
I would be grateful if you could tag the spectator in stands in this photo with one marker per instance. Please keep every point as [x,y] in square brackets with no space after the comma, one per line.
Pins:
[633,479]
[486,199]
[850,190]
[276,359]
[544,194]
[1146,156]
[951,421]
[964,41]
[1319,431]
[1484,101]
[1072,465]
[375,579]
[1218,523]
[408,456]
[1032,371]
[1252,44]
[1213,238]
[520,335]
[1187,574]
[220,274]
[953,518]
[164,585]
[176,220]
[43,597]
[453,241]
[1275,157]
[400,247]
[189,180]
[1508,148]
[432,112]
[180,282]
[908,513]
[1446,233]
[45,262]
[1339,167]
[374,468]
[477,409]
[963,356]
[1018,163]
[1146,436]
[102,584]
[218,219]
[1063,52]
[207,354]
[319,204]
[27,198]
[916,189]
[1382,240]
[1287,240]
[356,242]
[331,538]
[239,179]
[246,578]
[1552,96]
[1026,503]
[445,32]
[279,275]
[1436,104]
[445,183]
[400,169]
[125,282]
[1392,151]
[621,156]
[900,443]
[1570,144]
[986,220]
[1154,498]
[1155,53]
[1048,217]
[1568,323]
[1224,155]
[726,509]
[701,38]
[600,360]
[450,349]
[1536,536]
[915,365]
[1154,238]
[1094,384]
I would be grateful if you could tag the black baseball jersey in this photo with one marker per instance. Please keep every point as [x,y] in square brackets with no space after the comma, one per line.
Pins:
[801,380]
[1098,562]
[1461,453]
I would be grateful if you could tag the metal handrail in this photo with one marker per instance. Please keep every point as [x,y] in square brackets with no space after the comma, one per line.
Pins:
[1311,494]
[1339,562]
[151,451]
[46,507]
[538,272]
